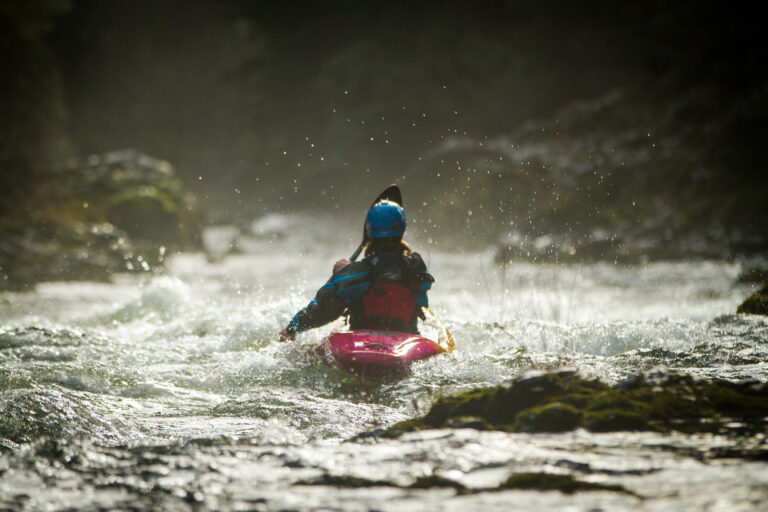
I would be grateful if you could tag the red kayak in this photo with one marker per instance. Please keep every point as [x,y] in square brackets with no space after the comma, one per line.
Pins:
[377,352]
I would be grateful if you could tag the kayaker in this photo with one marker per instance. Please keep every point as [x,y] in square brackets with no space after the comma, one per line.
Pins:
[386,290]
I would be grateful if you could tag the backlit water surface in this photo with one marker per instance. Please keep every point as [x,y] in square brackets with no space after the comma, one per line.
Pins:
[170,390]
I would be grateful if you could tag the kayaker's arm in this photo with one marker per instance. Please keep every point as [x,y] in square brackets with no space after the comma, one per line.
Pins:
[324,308]
[347,284]
[421,281]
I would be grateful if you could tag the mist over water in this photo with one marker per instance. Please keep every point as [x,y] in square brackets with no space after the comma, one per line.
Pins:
[174,388]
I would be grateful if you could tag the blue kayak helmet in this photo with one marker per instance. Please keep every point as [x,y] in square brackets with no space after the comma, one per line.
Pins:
[385,219]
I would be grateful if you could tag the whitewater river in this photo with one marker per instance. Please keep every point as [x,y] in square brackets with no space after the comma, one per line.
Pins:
[170,390]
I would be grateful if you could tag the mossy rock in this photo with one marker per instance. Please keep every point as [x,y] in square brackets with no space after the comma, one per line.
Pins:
[139,194]
[472,422]
[551,417]
[757,303]
[556,402]
[611,421]
[484,403]
[145,213]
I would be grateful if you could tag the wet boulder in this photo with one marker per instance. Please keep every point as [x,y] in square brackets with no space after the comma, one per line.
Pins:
[139,194]
[118,212]
[551,417]
[756,304]
[659,401]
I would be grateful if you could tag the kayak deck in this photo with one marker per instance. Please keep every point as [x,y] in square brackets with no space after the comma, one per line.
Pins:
[372,352]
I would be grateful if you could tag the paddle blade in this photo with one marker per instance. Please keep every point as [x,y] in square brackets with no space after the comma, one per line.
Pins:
[391,193]
[450,342]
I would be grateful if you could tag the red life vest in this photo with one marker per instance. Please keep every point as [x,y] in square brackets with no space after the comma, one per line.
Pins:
[388,304]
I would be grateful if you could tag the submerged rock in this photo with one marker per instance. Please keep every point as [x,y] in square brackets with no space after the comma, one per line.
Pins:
[757,303]
[565,484]
[555,402]
[59,251]
[28,415]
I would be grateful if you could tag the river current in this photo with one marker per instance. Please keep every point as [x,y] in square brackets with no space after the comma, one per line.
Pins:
[170,390]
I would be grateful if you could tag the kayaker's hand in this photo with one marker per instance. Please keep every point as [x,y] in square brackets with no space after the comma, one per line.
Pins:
[340,264]
[285,335]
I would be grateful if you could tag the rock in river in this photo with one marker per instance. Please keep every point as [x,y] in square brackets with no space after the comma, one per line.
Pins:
[554,402]
[757,303]
[117,212]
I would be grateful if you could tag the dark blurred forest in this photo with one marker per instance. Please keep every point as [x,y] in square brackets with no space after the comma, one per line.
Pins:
[495,116]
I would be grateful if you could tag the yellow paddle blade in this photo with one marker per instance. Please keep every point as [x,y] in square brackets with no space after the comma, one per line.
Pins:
[451,345]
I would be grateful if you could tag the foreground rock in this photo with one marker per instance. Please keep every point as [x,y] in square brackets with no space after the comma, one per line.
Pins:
[757,303]
[555,402]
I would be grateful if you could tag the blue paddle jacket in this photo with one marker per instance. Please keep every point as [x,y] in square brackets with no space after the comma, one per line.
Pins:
[385,290]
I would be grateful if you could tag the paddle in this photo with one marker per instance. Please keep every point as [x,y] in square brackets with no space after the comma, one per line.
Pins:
[392,193]
[451,344]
